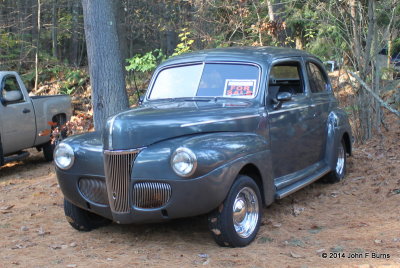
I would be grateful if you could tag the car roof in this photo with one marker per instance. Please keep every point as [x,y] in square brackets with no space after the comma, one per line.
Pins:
[254,54]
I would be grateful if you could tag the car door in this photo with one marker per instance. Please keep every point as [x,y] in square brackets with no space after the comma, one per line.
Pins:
[290,123]
[18,118]
[321,98]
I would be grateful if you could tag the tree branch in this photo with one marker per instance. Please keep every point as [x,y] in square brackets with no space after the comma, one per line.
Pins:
[369,90]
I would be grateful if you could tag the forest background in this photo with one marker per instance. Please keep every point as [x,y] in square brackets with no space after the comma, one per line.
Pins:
[44,40]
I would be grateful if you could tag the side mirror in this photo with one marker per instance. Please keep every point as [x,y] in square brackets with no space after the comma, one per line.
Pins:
[284,96]
[141,99]
[12,96]
[281,98]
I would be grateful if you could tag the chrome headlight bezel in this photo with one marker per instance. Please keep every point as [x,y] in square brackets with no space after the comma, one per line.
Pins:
[64,156]
[186,156]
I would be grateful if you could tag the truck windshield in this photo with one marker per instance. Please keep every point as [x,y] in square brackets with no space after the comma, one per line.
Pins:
[206,80]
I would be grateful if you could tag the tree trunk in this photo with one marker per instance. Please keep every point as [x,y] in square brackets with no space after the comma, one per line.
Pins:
[74,38]
[106,74]
[119,12]
[356,34]
[54,19]
[37,46]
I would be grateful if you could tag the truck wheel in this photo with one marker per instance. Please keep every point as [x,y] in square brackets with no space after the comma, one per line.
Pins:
[83,220]
[1,154]
[340,168]
[49,147]
[48,150]
[237,220]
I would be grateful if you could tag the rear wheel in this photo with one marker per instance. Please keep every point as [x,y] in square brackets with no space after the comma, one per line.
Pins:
[49,147]
[236,221]
[340,168]
[83,220]
[1,154]
[48,150]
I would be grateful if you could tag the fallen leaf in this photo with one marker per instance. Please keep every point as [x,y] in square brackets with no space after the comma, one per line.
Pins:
[294,255]
[54,247]
[42,232]
[297,210]
[45,132]
[7,207]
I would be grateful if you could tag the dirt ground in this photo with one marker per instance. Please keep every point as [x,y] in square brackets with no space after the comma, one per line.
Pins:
[355,222]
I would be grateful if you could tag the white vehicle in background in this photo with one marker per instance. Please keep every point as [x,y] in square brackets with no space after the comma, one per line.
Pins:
[23,117]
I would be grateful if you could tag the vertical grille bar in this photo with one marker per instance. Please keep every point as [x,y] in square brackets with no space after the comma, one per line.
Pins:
[118,167]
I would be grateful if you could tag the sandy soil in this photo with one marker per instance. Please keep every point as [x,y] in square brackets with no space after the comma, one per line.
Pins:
[359,216]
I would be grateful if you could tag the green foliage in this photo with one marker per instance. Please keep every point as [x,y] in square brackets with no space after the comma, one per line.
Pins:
[73,80]
[186,43]
[146,62]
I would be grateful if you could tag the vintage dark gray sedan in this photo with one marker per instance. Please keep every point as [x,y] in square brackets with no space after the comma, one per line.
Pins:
[221,132]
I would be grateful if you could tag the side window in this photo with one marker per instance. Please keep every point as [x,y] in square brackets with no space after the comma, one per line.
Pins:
[285,77]
[318,82]
[11,88]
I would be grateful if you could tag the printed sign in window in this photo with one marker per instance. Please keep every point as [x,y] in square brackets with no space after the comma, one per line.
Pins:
[239,88]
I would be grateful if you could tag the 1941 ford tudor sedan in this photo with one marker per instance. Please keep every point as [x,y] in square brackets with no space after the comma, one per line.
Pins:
[221,132]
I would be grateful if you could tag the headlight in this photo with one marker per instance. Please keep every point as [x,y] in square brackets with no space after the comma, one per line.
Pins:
[64,156]
[184,162]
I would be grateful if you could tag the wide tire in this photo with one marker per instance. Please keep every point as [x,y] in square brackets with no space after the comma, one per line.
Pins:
[339,172]
[48,150]
[83,220]
[236,221]
[1,154]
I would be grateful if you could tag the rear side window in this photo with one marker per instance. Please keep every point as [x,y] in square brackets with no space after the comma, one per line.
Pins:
[318,82]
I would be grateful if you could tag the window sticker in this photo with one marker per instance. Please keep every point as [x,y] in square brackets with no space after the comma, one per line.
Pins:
[239,88]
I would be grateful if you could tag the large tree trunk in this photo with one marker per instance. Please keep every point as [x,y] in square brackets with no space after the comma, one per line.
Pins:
[106,74]
[119,13]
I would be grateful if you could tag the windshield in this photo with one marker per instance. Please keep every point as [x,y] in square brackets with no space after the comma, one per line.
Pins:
[206,80]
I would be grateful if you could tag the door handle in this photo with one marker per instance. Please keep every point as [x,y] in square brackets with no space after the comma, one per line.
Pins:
[26,110]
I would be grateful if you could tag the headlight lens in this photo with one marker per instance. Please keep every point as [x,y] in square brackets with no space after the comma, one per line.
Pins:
[64,156]
[184,162]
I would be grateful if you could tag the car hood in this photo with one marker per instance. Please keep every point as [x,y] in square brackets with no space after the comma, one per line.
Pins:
[154,122]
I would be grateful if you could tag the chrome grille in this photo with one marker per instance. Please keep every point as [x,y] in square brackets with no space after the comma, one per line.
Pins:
[118,167]
[150,194]
[94,189]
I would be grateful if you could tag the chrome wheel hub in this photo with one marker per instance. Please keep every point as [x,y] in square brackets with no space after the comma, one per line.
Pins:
[340,160]
[245,212]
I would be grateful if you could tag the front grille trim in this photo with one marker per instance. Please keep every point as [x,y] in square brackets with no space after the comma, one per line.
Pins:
[151,195]
[118,166]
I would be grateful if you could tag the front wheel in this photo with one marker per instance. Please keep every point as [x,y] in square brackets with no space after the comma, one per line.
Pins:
[236,221]
[83,220]
[339,172]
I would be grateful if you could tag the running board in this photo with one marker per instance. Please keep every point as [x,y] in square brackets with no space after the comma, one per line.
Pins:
[300,184]
[17,157]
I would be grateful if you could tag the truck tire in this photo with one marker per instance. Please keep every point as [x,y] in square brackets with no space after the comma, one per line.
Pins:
[1,154]
[83,220]
[48,150]
[236,221]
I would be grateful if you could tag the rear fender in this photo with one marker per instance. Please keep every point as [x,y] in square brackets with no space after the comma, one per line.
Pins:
[337,127]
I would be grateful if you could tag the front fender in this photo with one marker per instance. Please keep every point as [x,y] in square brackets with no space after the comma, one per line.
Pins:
[212,151]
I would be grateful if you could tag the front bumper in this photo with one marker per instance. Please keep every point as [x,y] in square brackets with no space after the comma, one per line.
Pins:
[189,197]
